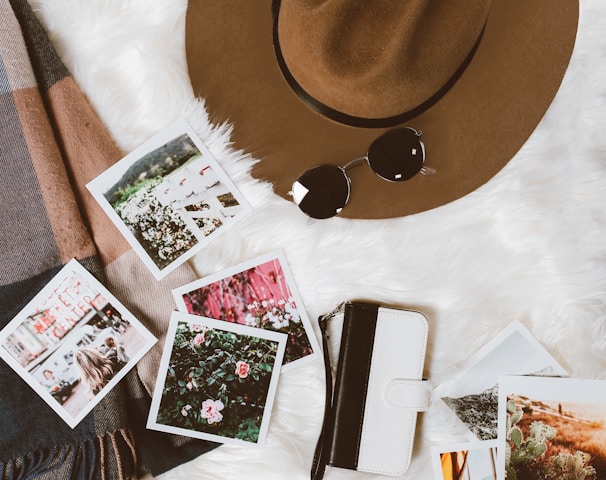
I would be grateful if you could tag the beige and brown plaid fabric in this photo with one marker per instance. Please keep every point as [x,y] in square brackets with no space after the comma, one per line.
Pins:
[51,145]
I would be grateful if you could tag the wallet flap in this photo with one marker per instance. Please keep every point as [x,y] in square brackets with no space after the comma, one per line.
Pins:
[408,394]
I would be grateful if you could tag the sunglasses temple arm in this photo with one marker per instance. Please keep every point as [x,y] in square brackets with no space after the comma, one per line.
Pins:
[355,162]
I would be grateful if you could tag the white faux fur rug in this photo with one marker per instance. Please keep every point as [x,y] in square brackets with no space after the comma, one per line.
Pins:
[529,245]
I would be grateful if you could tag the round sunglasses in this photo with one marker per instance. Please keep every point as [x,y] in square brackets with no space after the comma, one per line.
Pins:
[396,156]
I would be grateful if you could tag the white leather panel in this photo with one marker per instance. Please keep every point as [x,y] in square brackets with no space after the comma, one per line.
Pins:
[388,430]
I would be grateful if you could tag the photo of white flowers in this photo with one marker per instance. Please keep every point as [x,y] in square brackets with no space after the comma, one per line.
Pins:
[169,198]
[217,380]
[259,293]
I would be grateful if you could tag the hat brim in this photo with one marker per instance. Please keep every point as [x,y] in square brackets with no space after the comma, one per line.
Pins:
[470,133]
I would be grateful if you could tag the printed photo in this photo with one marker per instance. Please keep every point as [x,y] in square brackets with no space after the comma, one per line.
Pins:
[74,342]
[465,461]
[260,293]
[472,395]
[217,380]
[169,198]
[551,428]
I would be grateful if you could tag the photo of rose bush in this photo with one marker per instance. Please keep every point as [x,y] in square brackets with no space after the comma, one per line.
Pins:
[217,382]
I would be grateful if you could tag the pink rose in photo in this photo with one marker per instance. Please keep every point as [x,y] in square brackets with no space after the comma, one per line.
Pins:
[242,369]
[211,411]
[199,339]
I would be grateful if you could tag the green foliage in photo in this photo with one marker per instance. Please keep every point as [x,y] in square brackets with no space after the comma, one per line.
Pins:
[527,457]
[217,382]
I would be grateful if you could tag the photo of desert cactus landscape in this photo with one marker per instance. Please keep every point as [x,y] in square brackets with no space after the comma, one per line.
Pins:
[554,440]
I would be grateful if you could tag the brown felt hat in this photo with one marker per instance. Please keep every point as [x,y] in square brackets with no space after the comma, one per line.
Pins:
[310,82]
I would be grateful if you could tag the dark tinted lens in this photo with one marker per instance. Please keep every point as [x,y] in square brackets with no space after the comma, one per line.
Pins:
[321,192]
[397,155]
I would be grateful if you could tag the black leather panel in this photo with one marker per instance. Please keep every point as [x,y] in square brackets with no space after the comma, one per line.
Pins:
[353,370]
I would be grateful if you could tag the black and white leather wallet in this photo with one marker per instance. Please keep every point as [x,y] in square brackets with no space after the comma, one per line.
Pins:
[370,420]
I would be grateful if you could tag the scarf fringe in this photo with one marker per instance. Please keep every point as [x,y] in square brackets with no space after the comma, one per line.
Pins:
[110,456]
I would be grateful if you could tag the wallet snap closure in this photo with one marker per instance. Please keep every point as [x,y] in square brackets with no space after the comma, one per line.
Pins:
[409,394]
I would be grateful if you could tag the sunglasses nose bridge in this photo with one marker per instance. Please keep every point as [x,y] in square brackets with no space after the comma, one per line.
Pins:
[355,162]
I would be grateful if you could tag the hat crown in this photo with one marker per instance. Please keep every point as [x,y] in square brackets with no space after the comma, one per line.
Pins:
[379,58]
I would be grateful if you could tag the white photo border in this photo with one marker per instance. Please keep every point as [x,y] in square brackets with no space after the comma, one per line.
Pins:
[149,340]
[279,255]
[109,177]
[180,317]
[488,349]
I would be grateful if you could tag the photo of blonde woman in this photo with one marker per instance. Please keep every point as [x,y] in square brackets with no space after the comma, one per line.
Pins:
[95,369]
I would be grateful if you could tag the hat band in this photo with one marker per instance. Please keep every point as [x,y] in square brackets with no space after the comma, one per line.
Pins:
[353,120]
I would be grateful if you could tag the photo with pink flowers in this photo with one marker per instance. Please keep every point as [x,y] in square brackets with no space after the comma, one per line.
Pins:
[260,293]
[217,380]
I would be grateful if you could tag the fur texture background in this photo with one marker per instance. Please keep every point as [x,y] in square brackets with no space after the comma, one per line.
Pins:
[528,245]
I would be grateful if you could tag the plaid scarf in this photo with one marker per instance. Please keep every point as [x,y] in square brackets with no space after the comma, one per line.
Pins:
[51,145]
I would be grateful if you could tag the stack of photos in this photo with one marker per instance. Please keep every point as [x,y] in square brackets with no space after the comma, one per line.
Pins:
[73,342]
[473,394]
[217,380]
[526,420]
[169,198]
[259,293]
